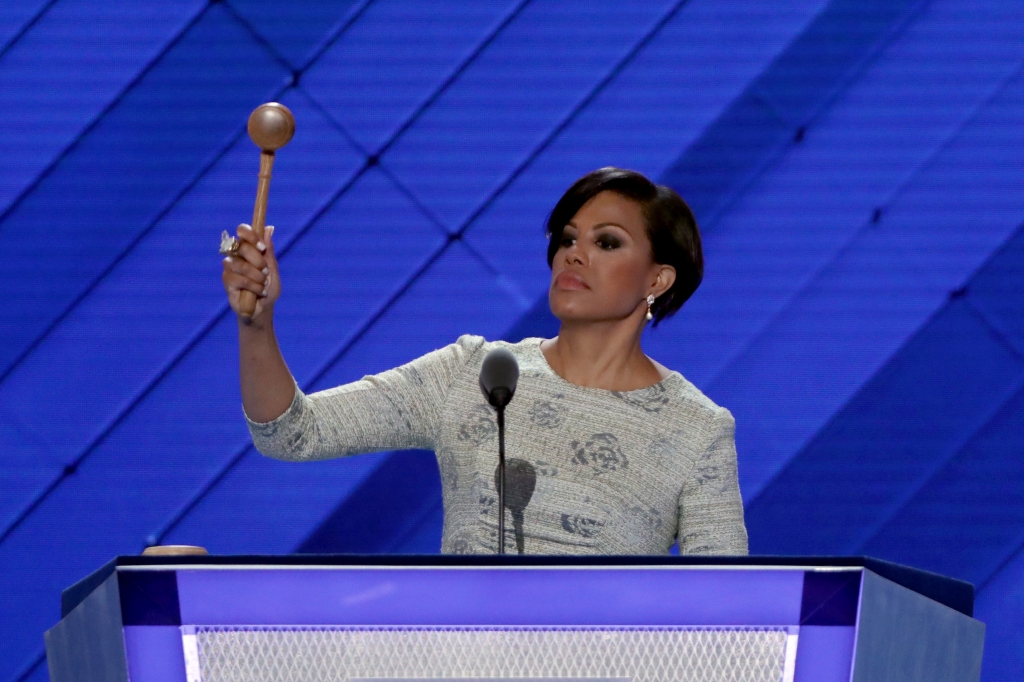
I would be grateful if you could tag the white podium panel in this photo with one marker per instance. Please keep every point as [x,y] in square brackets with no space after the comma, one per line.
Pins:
[227,654]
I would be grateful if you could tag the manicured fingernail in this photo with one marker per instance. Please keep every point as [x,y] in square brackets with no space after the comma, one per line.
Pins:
[261,246]
[270,230]
[266,271]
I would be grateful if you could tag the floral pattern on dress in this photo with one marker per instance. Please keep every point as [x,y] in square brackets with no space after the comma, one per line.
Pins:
[548,414]
[479,426]
[581,525]
[601,452]
[651,399]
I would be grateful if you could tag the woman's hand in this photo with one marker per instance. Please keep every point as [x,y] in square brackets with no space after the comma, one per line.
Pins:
[253,269]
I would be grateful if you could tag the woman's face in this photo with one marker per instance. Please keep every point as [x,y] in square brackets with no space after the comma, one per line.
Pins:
[604,268]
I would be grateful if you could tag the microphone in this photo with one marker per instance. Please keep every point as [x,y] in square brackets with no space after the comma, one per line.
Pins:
[522,480]
[498,378]
[499,375]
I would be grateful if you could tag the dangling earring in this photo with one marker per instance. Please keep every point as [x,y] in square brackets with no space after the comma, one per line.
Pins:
[650,302]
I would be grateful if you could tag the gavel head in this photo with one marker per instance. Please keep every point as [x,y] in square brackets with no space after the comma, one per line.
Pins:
[271,126]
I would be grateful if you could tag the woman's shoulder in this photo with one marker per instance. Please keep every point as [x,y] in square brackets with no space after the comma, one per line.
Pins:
[675,394]
[475,345]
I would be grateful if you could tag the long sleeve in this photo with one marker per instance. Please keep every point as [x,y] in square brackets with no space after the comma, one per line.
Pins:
[710,506]
[397,409]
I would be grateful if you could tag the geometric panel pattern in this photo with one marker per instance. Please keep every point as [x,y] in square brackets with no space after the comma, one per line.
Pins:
[855,167]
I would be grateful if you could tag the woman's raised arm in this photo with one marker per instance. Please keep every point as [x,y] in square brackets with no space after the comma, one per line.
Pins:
[267,385]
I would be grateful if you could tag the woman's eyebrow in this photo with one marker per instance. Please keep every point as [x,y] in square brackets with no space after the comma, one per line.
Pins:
[600,225]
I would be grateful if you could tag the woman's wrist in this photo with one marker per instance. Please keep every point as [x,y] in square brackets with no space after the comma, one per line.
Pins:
[260,325]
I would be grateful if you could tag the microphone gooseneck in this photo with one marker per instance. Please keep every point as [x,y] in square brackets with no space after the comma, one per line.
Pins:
[499,375]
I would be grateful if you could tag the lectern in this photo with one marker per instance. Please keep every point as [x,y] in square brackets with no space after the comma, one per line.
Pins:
[647,619]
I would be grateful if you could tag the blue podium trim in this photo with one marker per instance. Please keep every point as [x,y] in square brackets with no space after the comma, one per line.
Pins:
[511,597]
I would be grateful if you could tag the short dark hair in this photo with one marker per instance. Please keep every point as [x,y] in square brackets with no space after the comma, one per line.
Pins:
[671,227]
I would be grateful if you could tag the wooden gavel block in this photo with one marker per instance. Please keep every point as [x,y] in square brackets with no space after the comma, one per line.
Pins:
[271,127]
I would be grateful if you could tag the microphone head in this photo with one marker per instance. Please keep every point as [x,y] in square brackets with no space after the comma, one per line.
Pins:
[498,377]
[520,482]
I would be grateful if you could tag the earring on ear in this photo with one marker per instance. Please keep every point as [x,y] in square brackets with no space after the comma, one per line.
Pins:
[650,302]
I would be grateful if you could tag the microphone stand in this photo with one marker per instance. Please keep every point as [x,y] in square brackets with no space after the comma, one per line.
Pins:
[501,480]
[498,376]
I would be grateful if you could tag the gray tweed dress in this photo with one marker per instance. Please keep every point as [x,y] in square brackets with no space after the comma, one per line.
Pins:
[617,472]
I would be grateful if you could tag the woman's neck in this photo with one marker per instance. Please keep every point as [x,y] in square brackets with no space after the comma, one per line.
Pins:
[602,355]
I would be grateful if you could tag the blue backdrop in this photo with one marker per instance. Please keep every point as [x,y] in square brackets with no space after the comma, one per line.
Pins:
[855,165]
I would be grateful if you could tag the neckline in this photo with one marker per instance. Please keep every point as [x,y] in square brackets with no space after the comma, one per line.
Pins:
[661,385]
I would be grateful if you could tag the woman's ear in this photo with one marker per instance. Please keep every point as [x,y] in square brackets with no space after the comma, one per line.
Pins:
[665,278]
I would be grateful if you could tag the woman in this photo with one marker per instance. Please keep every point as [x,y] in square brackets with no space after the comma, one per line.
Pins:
[629,455]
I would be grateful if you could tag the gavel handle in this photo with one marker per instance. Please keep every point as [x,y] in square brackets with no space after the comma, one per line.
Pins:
[247,299]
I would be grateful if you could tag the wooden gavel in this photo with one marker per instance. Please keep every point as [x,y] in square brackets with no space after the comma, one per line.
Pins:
[271,127]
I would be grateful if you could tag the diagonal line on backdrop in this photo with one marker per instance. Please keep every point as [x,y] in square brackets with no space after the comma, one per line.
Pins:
[893,195]
[935,468]
[33,665]
[70,468]
[1006,561]
[140,236]
[257,37]
[763,330]
[337,125]
[354,15]
[350,17]
[429,214]
[454,75]
[62,154]
[869,58]
[446,83]
[205,329]
[994,325]
[28,26]
[317,375]
[63,314]
[570,117]
[120,257]
[126,410]
[986,419]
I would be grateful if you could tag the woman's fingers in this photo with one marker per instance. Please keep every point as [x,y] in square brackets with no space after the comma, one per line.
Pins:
[250,248]
[248,235]
[268,238]
[249,253]
[241,275]
[235,283]
[253,268]
[244,267]
[274,281]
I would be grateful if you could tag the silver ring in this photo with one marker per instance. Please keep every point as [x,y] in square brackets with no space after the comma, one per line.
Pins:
[228,245]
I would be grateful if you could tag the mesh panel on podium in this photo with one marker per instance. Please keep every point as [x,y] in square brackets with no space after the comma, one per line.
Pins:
[311,654]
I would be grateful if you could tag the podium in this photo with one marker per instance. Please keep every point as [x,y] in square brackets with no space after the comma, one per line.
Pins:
[644,619]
